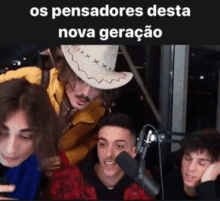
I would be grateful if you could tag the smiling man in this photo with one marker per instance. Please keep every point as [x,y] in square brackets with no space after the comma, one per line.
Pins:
[98,177]
[200,168]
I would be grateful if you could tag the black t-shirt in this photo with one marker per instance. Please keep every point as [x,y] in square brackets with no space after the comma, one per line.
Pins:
[174,188]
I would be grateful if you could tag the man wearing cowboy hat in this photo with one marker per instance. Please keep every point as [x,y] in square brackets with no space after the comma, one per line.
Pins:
[78,89]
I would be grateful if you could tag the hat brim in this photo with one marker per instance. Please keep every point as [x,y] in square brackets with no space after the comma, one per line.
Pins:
[98,78]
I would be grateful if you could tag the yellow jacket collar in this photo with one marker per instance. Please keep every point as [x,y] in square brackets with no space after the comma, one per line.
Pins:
[90,114]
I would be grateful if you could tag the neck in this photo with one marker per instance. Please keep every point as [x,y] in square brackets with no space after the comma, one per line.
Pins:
[108,181]
[190,191]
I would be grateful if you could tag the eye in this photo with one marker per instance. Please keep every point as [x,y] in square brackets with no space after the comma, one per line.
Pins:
[102,144]
[120,146]
[203,163]
[26,137]
[2,134]
[188,158]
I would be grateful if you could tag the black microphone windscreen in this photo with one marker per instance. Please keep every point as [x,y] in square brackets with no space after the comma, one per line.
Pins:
[127,163]
[131,168]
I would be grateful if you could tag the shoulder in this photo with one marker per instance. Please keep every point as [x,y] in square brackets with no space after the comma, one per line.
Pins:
[208,190]
[136,192]
[70,184]
[67,173]
[90,115]
[32,74]
[64,179]
[96,110]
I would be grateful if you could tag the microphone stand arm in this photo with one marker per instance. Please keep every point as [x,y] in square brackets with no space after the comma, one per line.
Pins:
[142,147]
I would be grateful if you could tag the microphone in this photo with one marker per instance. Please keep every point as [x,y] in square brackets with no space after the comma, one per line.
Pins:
[3,181]
[131,168]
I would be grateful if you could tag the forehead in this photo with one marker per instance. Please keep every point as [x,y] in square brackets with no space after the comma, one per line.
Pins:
[16,121]
[198,154]
[113,133]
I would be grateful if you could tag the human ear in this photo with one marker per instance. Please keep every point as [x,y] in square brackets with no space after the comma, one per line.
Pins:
[133,152]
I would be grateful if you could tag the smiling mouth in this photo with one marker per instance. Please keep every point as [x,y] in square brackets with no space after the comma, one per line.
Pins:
[109,163]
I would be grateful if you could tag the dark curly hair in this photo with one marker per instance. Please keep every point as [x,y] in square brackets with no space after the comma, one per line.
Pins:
[201,140]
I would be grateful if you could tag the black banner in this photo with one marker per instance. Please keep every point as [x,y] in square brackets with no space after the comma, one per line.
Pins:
[77,22]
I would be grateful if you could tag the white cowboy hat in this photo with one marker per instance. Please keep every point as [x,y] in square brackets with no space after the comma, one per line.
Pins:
[95,65]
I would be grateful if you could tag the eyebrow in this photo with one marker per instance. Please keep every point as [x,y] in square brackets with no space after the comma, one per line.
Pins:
[115,140]
[201,159]
[25,130]
[204,159]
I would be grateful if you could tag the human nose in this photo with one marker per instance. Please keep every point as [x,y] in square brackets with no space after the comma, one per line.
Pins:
[192,166]
[87,90]
[110,152]
[11,146]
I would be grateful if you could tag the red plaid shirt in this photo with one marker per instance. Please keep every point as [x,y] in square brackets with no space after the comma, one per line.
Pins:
[69,184]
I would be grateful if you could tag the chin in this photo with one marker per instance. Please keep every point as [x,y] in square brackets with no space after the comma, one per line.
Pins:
[10,165]
[79,107]
[109,173]
[190,184]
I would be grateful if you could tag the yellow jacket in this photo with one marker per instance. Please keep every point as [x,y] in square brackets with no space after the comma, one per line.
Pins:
[77,141]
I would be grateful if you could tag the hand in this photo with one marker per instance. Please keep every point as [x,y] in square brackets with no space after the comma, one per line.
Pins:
[6,189]
[51,164]
[211,172]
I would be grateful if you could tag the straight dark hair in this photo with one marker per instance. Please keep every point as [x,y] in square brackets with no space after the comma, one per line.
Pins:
[122,121]
[32,99]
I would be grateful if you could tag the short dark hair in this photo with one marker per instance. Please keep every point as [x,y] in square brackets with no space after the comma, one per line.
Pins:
[19,94]
[122,121]
[201,140]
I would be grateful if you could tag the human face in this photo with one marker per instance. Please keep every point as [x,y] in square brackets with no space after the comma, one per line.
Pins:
[194,164]
[80,94]
[112,141]
[16,143]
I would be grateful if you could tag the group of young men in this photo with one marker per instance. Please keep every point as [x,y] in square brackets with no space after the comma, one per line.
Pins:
[80,88]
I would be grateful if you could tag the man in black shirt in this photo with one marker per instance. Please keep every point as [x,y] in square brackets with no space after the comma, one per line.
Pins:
[200,168]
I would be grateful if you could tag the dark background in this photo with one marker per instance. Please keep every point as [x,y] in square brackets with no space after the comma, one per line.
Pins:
[19,27]
[202,93]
